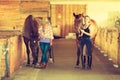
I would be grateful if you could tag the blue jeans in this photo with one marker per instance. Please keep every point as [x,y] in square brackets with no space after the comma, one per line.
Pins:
[44,48]
[88,43]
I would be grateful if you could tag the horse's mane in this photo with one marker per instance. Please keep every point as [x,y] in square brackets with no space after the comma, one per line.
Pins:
[93,22]
[35,28]
[28,22]
[30,26]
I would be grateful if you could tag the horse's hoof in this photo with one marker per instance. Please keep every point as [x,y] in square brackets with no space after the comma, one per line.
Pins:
[83,67]
[27,64]
[77,66]
[88,68]
[33,65]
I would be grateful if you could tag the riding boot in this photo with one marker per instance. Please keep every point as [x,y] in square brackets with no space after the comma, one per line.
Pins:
[83,58]
[89,62]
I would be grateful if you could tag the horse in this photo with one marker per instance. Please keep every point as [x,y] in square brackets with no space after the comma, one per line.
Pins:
[30,37]
[78,25]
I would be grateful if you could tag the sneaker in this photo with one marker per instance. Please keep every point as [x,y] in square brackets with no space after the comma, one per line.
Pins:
[42,65]
[36,65]
[50,60]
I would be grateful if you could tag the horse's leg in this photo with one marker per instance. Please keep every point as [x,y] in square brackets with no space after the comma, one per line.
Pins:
[35,51]
[36,55]
[26,41]
[78,50]
[78,55]
[33,54]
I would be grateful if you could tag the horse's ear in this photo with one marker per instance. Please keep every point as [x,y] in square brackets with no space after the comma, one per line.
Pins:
[82,14]
[73,14]
[79,15]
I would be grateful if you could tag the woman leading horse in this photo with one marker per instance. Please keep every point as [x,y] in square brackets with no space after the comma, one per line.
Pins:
[85,36]
[88,34]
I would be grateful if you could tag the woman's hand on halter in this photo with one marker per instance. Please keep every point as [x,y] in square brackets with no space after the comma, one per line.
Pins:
[82,31]
[80,35]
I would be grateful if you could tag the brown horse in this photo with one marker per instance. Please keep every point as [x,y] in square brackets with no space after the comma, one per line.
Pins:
[30,36]
[78,24]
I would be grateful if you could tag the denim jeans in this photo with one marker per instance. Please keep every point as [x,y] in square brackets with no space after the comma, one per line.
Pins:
[88,43]
[44,48]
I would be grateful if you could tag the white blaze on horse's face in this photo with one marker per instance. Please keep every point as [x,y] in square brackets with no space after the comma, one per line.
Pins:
[34,41]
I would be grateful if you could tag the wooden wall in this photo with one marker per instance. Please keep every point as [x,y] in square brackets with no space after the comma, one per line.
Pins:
[14,12]
[108,41]
[62,15]
[12,52]
[36,8]
[9,14]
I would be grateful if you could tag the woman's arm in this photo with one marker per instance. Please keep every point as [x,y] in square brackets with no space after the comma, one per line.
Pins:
[51,42]
[93,31]
[85,33]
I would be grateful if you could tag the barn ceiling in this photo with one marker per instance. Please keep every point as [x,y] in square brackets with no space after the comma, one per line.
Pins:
[61,0]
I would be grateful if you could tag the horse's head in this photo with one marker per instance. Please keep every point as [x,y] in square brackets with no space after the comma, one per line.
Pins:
[28,26]
[78,21]
[77,16]
[29,21]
